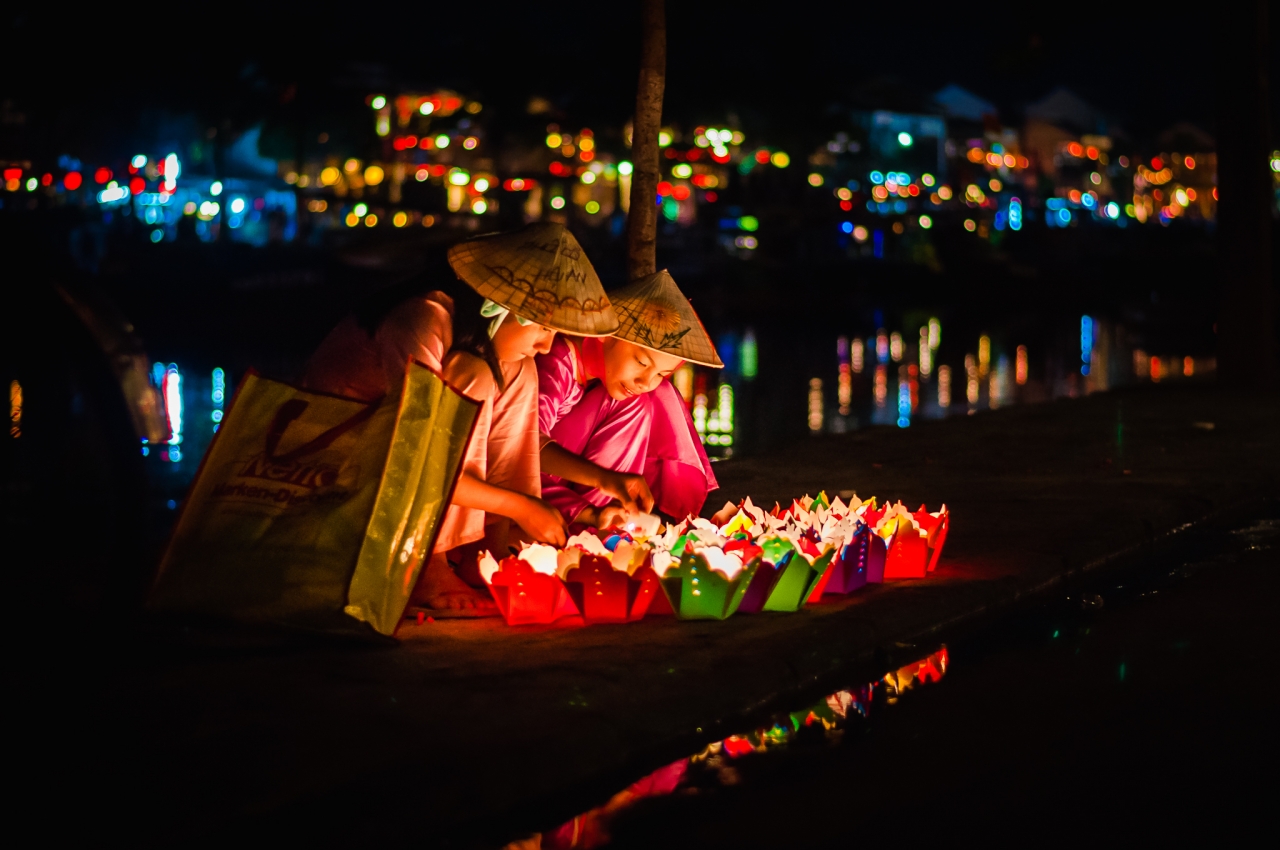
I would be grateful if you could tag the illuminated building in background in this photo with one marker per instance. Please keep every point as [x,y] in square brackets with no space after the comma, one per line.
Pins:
[944,387]
[815,405]
[882,346]
[881,386]
[984,355]
[935,334]
[1176,184]
[1020,366]
[857,355]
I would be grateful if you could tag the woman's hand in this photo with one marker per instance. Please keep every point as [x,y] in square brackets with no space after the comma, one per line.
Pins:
[631,491]
[542,522]
[612,516]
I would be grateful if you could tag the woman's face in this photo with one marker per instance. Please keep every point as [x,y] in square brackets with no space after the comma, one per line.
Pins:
[631,369]
[514,341]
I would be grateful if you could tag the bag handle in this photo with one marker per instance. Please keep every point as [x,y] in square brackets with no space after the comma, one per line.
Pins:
[291,410]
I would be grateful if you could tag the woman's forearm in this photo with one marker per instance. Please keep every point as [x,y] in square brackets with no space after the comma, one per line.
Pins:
[471,492]
[562,463]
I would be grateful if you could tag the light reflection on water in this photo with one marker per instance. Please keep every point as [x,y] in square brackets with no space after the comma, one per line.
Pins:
[911,383]
[193,407]
[877,380]
[714,765]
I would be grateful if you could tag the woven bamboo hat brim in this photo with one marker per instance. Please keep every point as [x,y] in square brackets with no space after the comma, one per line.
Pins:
[541,273]
[654,313]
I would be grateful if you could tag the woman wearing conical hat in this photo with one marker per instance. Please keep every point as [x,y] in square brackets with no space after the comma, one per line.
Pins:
[527,285]
[616,435]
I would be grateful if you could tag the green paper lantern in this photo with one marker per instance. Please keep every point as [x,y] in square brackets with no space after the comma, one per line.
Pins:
[797,582]
[697,592]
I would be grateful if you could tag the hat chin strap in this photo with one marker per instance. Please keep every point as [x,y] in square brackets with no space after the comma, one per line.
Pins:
[491,309]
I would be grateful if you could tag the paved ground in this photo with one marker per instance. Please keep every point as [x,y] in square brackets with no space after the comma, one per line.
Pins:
[467,727]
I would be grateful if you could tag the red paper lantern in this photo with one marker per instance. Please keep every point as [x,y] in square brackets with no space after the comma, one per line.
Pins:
[607,595]
[936,527]
[526,596]
[908,554]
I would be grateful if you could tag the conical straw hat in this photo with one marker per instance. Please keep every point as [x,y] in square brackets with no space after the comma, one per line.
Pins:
[654,313]
[541,273]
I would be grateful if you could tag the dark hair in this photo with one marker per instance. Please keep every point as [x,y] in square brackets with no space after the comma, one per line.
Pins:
[470,329]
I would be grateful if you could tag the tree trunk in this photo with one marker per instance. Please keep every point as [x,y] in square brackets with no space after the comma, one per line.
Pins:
[1246,308]
[642,218]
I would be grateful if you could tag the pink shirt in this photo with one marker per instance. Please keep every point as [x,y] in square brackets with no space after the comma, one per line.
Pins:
[650,434]
[561,383]
[352,364]
[504,447]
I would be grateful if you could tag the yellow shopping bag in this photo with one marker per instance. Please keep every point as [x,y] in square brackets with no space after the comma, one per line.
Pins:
[308,505]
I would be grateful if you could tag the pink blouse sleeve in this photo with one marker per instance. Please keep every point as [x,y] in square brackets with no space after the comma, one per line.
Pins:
[558,390]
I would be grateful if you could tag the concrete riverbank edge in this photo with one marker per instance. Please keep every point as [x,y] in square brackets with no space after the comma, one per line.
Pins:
[472,727]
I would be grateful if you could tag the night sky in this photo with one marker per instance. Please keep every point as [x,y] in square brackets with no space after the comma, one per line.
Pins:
[779,68]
